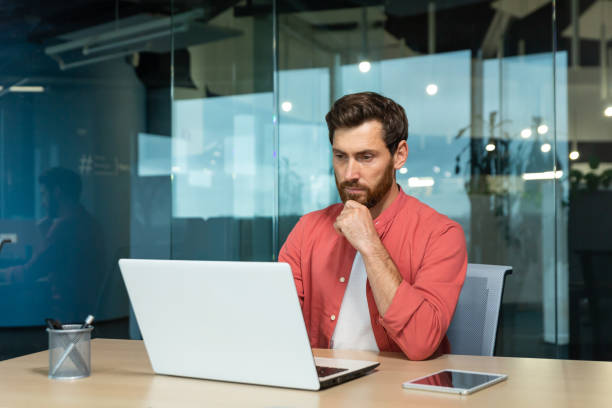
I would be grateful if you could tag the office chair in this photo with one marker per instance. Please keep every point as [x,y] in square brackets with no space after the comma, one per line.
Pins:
[474,326]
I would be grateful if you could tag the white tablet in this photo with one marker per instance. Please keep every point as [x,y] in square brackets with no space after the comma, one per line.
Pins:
[455,381]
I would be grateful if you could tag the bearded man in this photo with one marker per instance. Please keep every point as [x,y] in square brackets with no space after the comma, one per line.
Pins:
[382,271]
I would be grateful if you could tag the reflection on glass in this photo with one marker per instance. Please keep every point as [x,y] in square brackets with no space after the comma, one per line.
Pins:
[221,157]
[222,146]
[62,276]
[70,113]
[587,248]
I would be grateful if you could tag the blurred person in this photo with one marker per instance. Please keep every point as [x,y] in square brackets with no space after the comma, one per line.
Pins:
[70,260]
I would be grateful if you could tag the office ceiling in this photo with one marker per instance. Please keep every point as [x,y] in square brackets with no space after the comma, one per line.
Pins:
[460,24]
[591,21]
[40,20]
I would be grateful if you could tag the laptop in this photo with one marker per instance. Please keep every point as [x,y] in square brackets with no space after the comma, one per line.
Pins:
[228,321]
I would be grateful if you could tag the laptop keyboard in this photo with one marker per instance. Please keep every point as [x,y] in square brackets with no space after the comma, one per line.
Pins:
[325,371]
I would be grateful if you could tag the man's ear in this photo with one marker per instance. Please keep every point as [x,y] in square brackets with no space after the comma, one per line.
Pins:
[400,155]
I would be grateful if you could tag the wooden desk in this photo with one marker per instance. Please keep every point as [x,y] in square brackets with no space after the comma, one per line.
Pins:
[122,376]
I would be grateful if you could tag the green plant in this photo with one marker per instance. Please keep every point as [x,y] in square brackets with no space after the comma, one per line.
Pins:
[482,162]
[592,180]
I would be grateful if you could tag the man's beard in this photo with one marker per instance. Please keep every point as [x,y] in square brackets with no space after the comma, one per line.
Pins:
[372,197]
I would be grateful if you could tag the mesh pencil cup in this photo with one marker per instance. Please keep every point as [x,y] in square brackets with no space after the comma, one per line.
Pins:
[70,352]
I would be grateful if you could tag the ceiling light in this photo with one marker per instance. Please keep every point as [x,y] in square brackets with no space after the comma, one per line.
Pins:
[608,111]
[526,133]
[574,155]
[546,175]
[144,32]
[110,33]
[490,147]
[286,106]
[542,129]
[421,182]
[431,89]
[436,169]
[364,66]
[545,148]
[30,88]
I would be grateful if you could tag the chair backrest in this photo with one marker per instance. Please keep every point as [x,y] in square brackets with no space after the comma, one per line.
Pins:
[474,326]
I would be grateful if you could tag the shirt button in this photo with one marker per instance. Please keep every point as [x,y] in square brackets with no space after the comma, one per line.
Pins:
[342,279]
[333,317]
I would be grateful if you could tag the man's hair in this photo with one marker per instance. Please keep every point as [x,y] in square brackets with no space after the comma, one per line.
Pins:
[66,180]
[354,109]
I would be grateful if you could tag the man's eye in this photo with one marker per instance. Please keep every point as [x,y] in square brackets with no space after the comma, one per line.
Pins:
[367,157]
[339,156]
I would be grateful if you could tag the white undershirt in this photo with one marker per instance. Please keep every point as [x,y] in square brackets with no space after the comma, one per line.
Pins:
[354,329]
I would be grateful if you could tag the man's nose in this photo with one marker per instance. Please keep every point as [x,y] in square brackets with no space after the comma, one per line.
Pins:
[352,170]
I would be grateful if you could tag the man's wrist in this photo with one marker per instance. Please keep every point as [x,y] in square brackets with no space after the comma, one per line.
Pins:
[374,248]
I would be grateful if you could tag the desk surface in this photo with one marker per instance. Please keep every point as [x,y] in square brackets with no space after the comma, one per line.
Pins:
[122,376]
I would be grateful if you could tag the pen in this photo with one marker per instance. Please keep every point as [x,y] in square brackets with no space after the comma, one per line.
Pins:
[88,320]
[53,324]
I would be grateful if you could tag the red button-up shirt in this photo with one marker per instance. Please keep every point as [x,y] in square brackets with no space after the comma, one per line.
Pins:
[429,251]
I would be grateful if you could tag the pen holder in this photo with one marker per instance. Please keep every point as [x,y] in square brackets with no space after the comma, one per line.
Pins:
[70,352]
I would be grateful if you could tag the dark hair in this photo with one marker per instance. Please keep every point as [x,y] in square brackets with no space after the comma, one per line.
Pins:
[354,109]
[66,180]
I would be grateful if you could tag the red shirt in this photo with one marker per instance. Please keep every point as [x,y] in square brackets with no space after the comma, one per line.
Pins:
[429,251]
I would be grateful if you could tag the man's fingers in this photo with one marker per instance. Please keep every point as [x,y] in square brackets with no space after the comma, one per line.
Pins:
[352,204]
[337,228]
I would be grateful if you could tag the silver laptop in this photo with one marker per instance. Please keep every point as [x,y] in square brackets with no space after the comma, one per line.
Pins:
[228,321]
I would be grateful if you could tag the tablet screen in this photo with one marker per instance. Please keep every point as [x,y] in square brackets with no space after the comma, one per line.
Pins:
[456,379]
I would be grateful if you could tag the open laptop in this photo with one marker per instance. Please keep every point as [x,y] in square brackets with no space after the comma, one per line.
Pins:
[228,321]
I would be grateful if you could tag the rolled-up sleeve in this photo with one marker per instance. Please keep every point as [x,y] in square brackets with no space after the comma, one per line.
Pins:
[420,313]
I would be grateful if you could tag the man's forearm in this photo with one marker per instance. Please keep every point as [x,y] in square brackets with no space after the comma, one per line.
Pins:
[383,275]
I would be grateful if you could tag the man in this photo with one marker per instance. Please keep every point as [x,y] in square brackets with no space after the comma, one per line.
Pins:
[70,260]
[382,271]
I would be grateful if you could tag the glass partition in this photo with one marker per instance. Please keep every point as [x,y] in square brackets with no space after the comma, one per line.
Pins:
[223,152]
[195,130]
[479,93]
[584,218]
[79,92]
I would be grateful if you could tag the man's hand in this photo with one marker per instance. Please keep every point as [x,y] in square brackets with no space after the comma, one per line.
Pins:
[356,225]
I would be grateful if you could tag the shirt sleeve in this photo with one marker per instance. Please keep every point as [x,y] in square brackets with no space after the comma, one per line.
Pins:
[291,253]
[420,313]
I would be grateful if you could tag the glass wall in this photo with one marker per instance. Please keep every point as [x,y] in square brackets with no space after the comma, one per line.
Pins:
[222,153]
[195,130]
[584,33]
[483,102]
[80,88]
